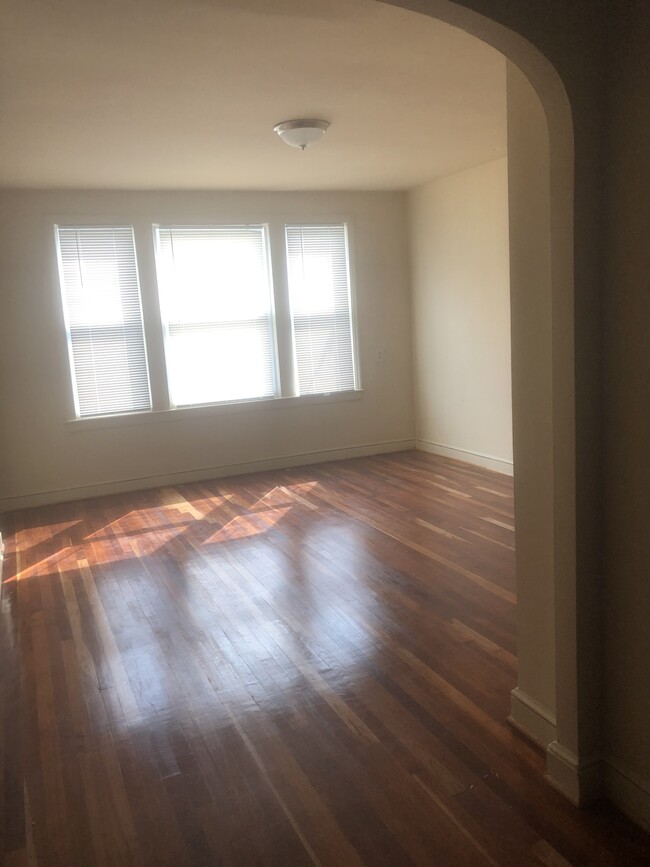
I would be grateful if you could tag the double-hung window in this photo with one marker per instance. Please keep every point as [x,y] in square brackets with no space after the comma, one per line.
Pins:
[321,310]
[103,315]
[217,309]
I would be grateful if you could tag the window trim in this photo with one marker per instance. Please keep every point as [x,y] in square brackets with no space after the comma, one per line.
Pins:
[212,410]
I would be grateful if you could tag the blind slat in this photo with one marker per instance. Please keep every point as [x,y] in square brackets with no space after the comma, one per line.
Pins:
[101,300]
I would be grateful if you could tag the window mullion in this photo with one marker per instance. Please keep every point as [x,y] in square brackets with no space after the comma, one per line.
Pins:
[152,318]
[288,386]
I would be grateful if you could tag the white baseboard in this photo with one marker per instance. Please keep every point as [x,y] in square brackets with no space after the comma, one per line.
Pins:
[531,718]
[213,472]
[476,458]
[580,780]
[583,781]
[629,793]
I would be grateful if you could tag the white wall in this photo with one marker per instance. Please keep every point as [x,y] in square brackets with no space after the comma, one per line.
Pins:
[47,458]
[461,315]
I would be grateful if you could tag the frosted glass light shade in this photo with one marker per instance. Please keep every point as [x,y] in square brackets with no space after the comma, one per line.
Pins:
[301,133]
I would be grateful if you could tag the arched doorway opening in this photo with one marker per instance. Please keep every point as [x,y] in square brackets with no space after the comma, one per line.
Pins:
[556,700]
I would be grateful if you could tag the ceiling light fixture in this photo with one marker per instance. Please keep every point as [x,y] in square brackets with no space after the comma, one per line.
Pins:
[301,133]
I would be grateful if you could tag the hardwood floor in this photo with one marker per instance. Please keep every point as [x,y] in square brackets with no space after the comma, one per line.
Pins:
[310,666]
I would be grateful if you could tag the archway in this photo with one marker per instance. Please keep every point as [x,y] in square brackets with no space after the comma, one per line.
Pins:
[557,698]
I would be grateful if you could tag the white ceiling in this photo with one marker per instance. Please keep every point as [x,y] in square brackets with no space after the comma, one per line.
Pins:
[185,94]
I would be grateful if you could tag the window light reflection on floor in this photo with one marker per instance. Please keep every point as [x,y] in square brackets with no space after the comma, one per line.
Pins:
[141,532]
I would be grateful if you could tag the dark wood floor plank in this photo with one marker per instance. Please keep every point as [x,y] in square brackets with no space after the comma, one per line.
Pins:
[309,666]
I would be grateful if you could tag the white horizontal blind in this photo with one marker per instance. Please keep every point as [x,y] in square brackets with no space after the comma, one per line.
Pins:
[101,300]
[319,289]
[216,301]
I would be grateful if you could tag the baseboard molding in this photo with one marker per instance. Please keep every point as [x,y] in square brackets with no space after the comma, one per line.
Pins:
[582,781]
[629,793]
[476,458]
[531,718]
[213,472]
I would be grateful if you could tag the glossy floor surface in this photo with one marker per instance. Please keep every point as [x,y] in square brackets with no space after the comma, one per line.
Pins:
[310,666]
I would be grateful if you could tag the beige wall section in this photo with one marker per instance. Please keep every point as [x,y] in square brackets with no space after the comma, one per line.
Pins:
[42,452]
[461,314]
[532,389]
[626,323]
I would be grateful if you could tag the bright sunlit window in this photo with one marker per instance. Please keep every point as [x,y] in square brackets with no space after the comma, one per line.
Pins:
[101,301]
[216,303]
[321,311]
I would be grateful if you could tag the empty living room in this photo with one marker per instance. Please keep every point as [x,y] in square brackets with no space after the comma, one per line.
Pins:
[323,375]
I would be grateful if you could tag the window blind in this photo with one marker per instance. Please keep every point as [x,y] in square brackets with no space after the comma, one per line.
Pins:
[319,291]
[216,301]
[101,300]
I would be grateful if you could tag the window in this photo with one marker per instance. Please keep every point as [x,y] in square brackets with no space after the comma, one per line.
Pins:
[217,310]
[101,301]
[319,291]
[216,303]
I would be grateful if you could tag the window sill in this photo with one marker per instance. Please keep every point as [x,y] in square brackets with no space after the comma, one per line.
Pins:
[210,410]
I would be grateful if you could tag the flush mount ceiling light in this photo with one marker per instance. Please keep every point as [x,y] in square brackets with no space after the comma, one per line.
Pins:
[301,133]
